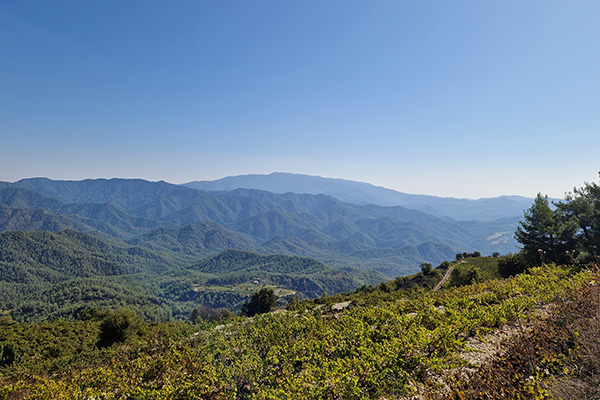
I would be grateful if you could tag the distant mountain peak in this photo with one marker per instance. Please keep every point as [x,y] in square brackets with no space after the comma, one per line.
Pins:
[363,193]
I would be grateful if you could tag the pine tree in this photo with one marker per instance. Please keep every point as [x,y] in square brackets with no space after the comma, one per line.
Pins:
[261,302]
[582,207]
[546,235]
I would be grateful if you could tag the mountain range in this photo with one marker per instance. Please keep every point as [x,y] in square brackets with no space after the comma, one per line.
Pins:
[485,209]
[165,245]
[391,239]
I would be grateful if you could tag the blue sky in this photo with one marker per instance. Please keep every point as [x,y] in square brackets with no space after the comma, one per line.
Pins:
[464,99]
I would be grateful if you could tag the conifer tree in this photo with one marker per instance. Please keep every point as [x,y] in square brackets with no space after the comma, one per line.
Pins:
[260,302]
[546,234]
[582,207]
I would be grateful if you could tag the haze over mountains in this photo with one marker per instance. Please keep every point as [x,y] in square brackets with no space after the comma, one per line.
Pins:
[486,209]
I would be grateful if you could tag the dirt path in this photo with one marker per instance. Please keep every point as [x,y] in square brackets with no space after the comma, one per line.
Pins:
[447,275]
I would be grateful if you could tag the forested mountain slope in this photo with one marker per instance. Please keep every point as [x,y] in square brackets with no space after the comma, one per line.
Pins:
[194,240]
[59,274]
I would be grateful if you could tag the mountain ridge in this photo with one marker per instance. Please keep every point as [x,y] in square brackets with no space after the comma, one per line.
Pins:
[362,193]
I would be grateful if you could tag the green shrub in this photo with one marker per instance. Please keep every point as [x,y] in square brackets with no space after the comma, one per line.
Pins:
[208,313]
[119,326]
[511,265]
[260,302]
[426,268]
[9,354]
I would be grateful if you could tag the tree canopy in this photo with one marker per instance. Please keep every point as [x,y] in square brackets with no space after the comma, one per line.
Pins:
[546,234]
[567,233]
[261,302]
[582,208]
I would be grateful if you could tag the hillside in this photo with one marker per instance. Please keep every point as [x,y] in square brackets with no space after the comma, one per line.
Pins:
[363,193]
[526,337]
[195,240]
[46,275]
[23,209]
[37,268]
[305,276]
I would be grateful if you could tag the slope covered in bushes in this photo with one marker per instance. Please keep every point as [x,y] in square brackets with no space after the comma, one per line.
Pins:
[396,344]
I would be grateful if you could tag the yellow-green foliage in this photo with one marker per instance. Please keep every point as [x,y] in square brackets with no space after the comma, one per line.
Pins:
[473,270]
[384,349]
[556,357]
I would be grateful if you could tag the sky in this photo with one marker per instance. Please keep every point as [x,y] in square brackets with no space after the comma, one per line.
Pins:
[464,99]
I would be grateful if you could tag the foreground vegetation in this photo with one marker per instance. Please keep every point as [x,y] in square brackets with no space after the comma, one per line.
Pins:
[396,344]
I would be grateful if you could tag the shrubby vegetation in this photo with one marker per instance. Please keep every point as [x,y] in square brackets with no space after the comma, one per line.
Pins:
[386,344]
[118,327]
[209,314]
[475,269]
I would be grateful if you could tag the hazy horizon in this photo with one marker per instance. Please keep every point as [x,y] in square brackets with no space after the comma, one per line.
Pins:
[468,100]
[276,172]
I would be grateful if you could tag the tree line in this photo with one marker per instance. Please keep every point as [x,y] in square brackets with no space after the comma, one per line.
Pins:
[564,232]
